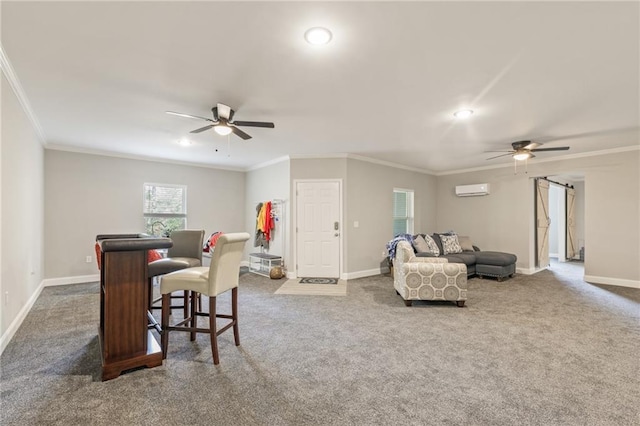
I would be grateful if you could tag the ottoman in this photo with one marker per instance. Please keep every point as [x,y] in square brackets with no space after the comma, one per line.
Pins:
[495,264]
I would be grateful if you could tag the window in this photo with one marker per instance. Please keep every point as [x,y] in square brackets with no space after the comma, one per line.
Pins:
[402,211]
[165,208]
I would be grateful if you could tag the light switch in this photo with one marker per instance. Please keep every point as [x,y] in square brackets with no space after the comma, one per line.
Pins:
[356,223]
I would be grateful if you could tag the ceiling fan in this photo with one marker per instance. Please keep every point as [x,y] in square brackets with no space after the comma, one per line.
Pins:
[523,150]
[223,123]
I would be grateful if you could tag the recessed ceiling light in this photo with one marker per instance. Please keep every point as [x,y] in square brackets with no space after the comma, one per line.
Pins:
[185,142]
[463,113]
[317,35]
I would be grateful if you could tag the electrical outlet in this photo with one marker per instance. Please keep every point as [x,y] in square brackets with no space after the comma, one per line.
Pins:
[88,259]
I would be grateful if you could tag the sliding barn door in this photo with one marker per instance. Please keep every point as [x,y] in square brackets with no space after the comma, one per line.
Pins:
[571,223]
[542,223]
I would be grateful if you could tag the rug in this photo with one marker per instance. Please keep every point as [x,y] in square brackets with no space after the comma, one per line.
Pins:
[294,287]
[318,281]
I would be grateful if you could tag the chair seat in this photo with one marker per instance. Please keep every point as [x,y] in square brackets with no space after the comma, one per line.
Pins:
[164,266]
[193,279]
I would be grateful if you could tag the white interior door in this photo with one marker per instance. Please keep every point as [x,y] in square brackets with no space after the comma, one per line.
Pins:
[571,223]
[542,223]
[318,229]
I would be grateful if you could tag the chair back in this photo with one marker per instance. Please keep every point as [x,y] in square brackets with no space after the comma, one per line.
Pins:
[187,243]
[224,270]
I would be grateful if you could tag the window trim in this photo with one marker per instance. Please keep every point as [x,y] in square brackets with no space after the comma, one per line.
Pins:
[410,218]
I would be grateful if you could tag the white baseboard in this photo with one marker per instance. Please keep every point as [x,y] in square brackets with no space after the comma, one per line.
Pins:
[17,322]
[79,279]
[527,271]
[365,273]
[612,281]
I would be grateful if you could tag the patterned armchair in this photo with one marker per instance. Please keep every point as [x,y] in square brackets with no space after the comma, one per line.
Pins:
[428,278]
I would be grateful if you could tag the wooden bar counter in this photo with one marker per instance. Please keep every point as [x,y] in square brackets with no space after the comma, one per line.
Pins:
[125,340]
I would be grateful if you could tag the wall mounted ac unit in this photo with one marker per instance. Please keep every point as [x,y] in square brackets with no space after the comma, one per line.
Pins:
[472,190]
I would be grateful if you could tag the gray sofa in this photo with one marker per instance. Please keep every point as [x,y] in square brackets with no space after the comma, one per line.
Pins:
[479,263]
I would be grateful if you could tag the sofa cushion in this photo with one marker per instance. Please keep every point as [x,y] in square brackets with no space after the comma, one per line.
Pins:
[419,244]
[425,254]
[464,257]
[425,244]
[436,239]
[450,244]
[495,258]
[465,243]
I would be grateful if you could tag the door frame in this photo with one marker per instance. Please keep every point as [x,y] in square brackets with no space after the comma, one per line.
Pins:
[294,225]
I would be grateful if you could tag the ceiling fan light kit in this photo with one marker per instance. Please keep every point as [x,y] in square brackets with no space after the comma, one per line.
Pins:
[222,130]
[521,156]
[523,150]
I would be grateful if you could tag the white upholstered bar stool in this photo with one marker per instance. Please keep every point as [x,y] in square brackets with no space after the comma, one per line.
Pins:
[221,276]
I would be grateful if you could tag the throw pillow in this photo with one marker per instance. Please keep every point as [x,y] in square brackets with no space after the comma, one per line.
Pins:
[419,244]
[465,243]
[153,255]
[433,247]
[450,244]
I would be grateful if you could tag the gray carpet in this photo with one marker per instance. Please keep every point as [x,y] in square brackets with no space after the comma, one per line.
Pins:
[533,350]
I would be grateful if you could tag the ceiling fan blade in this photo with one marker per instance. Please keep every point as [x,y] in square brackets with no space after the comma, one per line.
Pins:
[224,111]
[254,124]
[240,133]
[500,151]
[179,114]
[498,156]
[559,148]
[214,110]
[202,129]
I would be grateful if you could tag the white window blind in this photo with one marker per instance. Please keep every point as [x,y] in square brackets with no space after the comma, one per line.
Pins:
[402,211]
[164,208]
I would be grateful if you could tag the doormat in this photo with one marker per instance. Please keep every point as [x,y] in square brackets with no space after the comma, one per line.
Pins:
[318,281]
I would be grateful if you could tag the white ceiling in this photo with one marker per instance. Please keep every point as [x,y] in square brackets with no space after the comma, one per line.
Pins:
[99,76]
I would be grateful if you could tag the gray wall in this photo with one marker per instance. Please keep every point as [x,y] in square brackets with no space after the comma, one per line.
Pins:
[266,184]
[22,209]
[370,202]
[88,195]
[503,220]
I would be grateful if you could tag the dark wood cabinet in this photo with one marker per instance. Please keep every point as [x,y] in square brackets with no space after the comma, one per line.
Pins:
[125,339]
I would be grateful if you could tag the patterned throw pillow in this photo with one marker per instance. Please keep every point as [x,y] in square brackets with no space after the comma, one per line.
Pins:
[433,247]
[450,244]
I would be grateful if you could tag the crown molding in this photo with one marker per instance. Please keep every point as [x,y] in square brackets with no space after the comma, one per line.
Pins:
[268,163]
[12,78]
[547,160]
[78,150]
[363,158]
[390,164]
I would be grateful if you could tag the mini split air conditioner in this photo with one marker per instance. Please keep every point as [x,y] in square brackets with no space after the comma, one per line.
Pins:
[472,190]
